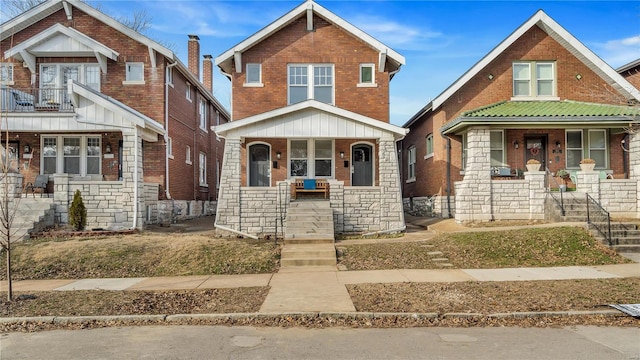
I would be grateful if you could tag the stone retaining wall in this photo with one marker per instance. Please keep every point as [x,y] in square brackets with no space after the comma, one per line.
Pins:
[618,196]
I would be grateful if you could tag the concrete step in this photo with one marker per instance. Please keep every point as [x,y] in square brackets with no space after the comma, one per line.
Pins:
[310,204]
[308,262]
[626,248]
[306,250]
[307,240]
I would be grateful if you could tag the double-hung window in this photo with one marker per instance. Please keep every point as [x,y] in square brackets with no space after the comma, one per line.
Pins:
[54,79]
[203,169]
[311,158]
[411,164]
[134,73]
[429,146]
[77,155]
[598,147]
[497,148]
[254,75]
[532,79]
[308,81]
[593,141]
[574,148]
[203,114]
[187,92]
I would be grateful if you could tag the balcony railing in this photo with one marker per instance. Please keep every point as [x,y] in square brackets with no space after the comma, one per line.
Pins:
[35,100]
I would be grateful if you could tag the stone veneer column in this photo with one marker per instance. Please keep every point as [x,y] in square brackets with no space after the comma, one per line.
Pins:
[228,212]
[473,193]
[391,210]
[131,143]
[589,182]
[61,197]
[536,194]
[634,165]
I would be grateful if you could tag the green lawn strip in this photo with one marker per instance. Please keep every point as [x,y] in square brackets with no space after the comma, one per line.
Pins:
[101,302]
[128,256]
[495,297]
[536,247]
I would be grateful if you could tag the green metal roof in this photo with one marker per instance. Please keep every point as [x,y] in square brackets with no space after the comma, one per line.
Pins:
[550,109]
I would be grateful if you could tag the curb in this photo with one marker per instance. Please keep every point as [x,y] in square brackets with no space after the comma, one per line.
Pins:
[249,317]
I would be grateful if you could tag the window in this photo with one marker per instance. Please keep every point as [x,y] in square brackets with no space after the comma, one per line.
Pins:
[170,75]
[93,155]
[187,93]
[188,152]
[6,73]
[367,74]
[574,148]
[411,164]
[203,114]
[598,147]
[313,158]
[310,82]
[49,155]
[497,148]
[543,83]
[54,78]
[254,74]
[134,73]
[170,147]
[203,169]
[465,148]
[429,146]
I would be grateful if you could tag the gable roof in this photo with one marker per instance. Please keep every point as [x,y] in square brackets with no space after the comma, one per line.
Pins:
[225,60]
[559,34]
[519,114]
[628,66]
[306,112]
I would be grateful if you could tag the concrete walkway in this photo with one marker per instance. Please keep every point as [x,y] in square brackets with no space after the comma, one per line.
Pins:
[322,288]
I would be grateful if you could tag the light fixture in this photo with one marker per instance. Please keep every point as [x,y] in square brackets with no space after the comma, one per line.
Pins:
[27,149]
[278,155]
[516,144]
[341,154]
[578,76]
[490,76]
[107,149]
[558,144]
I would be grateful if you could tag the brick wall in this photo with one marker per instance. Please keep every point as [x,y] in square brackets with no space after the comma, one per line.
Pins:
[326,45]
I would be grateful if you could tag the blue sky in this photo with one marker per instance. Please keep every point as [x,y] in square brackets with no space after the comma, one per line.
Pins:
[439,39]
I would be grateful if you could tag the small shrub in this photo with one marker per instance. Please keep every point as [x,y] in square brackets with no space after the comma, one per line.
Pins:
[77,212]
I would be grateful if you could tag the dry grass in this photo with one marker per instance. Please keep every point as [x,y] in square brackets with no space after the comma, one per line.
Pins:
[141,255]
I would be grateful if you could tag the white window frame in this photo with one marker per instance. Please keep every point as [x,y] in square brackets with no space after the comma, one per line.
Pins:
[605,149]
[129,80]
[464,153]
[60,156]
[59,82]
[499,148]
[170,147]
[6,73]
[203,114]
[572,149]
[310,81]
[411,164]
[188,155]
[428,146]
[372,83]
[187,93]
[253,83]
[311,159]
[533,81]
[202,169]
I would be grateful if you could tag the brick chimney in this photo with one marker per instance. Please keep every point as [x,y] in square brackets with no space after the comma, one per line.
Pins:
[194,55]
[207,72]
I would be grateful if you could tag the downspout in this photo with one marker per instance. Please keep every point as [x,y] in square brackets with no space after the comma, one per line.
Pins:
[135,181]
[166,130]
[448,188]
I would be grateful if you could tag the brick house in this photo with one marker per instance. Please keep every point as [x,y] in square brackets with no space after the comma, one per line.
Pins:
[631,72]
[539,94]
[93,105]
[310,100]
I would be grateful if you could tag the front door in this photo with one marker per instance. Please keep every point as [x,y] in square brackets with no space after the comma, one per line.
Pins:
[536,148]
[362,171]
[259,165]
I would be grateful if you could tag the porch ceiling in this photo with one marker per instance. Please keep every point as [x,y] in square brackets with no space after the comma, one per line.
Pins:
[547,114]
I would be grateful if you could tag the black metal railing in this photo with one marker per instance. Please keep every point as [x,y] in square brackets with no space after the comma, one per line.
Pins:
[560,202]
[284,194]
[599,218]
[35,100]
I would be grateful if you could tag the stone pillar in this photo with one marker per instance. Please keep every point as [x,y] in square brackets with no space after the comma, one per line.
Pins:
[132,170]
[11,185]
[336,197]
[536,194]
[634,165]
[391,211]
[589,182]
[228,212]
[61,197]
[473,193]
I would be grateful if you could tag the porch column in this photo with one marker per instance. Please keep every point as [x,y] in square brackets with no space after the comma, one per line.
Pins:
[473,193]
[391,210]
[61,197]
[537,194]
[132,181]
[589,182]
[228,212]
[634,165]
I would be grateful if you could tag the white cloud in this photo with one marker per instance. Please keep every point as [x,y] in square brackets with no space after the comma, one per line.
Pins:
[397,35]
[618,52]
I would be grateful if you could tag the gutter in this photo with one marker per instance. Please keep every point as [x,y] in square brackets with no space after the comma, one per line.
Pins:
[166,131]
[224,228]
